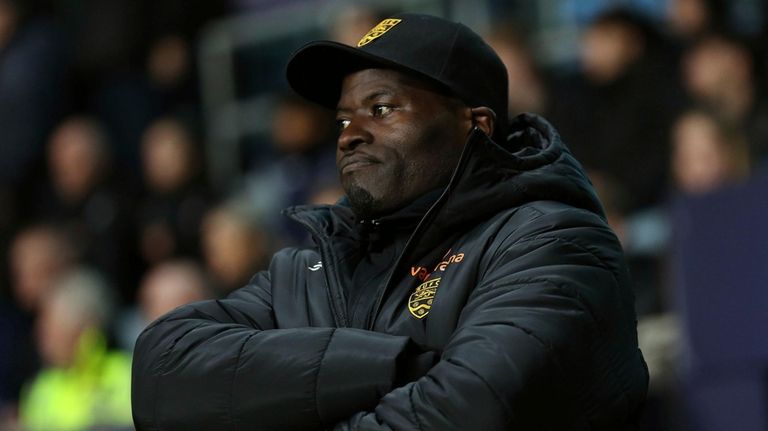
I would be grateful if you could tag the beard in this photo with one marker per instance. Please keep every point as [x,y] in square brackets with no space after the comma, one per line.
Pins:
[379,192]
[362,202]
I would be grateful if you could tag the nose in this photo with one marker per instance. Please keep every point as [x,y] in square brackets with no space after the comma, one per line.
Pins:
[353,135]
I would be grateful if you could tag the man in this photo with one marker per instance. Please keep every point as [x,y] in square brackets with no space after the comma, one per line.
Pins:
[84,385]
[467,281]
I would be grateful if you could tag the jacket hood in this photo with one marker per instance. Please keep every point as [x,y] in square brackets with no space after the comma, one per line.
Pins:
[534,164]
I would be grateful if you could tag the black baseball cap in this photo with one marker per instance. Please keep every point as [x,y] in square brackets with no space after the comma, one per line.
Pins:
[441,51]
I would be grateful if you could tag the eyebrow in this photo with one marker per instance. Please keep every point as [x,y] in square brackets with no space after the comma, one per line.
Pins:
[373,95]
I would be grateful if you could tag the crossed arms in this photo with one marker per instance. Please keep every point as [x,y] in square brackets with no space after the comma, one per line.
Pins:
[520,348]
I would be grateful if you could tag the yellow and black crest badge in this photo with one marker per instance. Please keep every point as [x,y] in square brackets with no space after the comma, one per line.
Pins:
[421,299]
[378,31]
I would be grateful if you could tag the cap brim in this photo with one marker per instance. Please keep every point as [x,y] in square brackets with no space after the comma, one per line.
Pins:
[316,70]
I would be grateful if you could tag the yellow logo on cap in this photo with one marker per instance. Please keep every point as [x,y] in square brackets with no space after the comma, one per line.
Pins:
[378,31]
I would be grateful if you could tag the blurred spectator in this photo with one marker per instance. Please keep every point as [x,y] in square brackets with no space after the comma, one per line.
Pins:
[527,89]
[129,32]
[40,256]
[235,247]
[616,116]
[131,101]
[176,196]
[78,159]
[707,152]
[689,20]
[83,385]
[168,62]
[165,287]
[141,67]
[170,285]
[32,64]
[611,45]
[86,195]
[18,360]
[719,73]
[302,136]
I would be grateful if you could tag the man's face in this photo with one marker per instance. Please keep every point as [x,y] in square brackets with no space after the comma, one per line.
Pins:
[399,138]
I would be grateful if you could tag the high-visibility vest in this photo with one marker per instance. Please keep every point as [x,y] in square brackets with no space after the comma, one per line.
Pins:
[94,391]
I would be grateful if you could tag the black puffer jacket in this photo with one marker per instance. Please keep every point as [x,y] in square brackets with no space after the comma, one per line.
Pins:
[512,278]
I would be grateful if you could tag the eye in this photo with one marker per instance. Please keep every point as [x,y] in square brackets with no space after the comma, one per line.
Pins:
[342,124]
[381,110]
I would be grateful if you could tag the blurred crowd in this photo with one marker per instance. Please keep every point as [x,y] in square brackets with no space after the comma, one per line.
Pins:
[109,219]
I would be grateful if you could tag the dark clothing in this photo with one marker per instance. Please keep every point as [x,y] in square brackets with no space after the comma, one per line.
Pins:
[102,224]
[509,308]
[621,130]
[32,67]
[179,214]
[381,242]
[18,358]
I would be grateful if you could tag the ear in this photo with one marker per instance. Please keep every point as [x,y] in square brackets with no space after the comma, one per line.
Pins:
[484,118]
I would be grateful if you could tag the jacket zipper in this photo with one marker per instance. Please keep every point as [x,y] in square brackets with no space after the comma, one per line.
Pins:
[419,227]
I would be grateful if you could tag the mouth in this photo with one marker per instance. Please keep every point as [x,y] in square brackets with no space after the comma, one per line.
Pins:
[355,162]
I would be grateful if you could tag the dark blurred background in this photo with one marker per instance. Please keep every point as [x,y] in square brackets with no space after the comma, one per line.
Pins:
[147,148]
